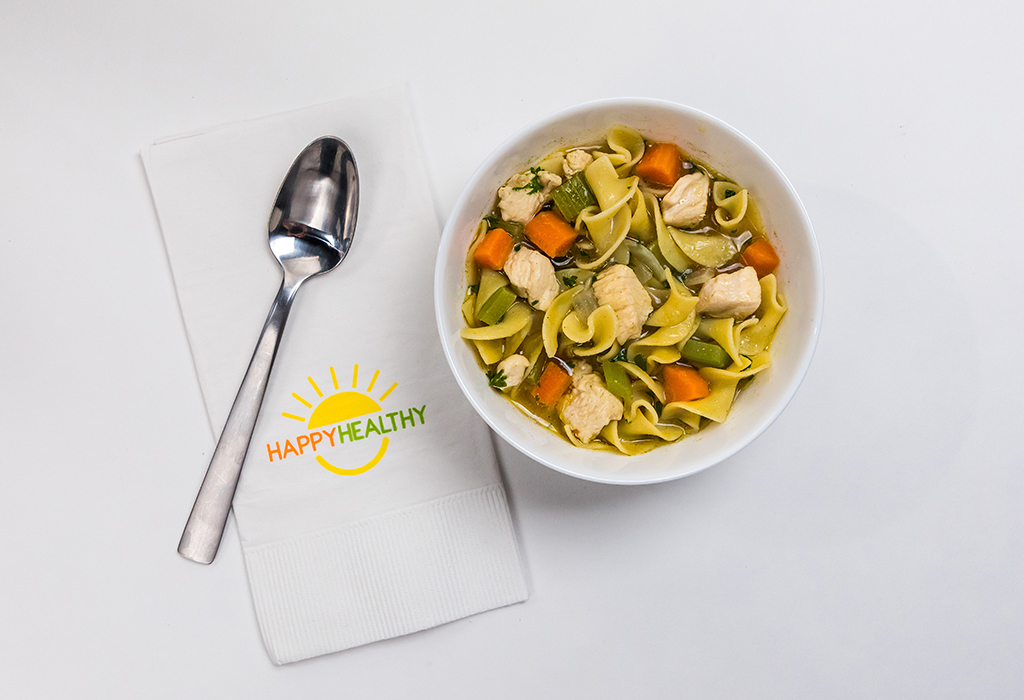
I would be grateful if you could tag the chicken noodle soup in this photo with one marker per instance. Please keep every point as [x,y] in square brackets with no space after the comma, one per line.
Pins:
[622,294]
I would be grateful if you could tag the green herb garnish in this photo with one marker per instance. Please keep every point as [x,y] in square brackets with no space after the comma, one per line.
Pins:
[511,227]
[569,281]
[497,379]
[533,186]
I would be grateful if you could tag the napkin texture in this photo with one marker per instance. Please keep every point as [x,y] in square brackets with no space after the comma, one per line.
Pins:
[370,504]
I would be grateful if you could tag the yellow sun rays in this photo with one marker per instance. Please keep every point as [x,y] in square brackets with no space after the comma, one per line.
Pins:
[315,387]
[334,381]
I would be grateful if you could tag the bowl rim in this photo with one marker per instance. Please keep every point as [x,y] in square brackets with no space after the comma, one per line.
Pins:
[807,346]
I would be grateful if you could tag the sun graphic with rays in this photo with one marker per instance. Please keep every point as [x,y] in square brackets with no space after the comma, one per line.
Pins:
[341,406]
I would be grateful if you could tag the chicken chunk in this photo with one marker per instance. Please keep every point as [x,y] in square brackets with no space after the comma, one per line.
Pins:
[687,201]
[618,287]
[736,294]
[576,161]
[522,197]
[533,276]
[514,369]
[590,406]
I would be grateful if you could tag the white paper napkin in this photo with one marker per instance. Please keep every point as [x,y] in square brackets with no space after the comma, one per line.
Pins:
[414,531]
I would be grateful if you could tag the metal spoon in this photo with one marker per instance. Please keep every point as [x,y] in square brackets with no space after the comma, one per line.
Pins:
[311,229]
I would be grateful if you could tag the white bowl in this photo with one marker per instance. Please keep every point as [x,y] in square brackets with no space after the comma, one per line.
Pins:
[722,148]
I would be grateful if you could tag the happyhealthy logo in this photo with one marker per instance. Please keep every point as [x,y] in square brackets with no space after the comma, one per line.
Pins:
[344,411]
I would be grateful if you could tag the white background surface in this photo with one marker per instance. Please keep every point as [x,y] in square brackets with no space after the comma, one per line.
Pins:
[868,545]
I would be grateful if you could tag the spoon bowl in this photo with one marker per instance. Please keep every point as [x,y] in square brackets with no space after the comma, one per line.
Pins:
[311,229]
[313,220]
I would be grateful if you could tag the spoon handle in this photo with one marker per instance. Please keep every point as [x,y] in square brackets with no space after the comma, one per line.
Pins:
[202,535]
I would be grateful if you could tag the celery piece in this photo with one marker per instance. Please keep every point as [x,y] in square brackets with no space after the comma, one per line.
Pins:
[573,196]
[708,354]
[490,281]
[493,310]
[617,380]
[516,230]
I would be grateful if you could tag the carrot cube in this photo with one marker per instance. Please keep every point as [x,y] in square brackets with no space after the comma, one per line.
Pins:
[551,233]
[761,256]
[553,383]
[684,384]
[493,250]
[661,164]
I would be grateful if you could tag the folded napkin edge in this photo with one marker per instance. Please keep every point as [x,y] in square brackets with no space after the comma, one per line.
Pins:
[386,576]
[394,514]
